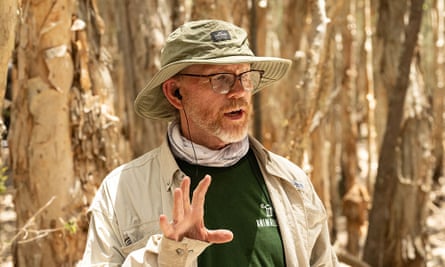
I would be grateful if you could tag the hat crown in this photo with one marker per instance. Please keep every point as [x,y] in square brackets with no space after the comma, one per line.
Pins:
[205,39]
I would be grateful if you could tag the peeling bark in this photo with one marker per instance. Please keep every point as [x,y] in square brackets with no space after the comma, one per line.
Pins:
[63,132]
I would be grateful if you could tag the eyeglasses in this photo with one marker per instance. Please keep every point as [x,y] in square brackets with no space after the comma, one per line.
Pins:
[222,83]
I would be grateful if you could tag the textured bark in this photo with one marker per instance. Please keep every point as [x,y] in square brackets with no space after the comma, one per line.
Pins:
[415,160]
[304,98]
[355,209]
[369,96]
[63,133]
[293,40]
[95,128]
[387,51]
[307,44]
[230,10]
[387,243]
[136,34]
[320,159]
[41,151]
[356,199]
[348,96]
[8,18]
[435,78]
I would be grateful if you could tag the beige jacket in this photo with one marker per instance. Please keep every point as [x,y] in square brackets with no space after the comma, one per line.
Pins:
[124,227]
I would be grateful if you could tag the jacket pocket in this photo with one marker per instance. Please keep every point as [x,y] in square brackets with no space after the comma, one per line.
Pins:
[136,236]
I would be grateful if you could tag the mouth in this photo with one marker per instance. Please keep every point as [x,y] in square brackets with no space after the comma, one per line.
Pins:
[234,114]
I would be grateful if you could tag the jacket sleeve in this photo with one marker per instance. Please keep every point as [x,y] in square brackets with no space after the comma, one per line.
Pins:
[323,253]
[102,246]
[103,249]
[164,252]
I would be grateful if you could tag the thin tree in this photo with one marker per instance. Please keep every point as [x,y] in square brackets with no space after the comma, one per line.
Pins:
[8,18]
[376,252]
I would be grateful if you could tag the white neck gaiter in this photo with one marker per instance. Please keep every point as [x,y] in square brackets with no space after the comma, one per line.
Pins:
[201,155]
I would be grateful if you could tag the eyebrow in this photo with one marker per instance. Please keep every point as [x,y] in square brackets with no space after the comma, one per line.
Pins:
[220,71]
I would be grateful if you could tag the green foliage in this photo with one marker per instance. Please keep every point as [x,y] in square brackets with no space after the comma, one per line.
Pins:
[71,226]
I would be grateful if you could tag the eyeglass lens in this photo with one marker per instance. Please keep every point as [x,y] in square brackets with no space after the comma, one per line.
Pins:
[224,82]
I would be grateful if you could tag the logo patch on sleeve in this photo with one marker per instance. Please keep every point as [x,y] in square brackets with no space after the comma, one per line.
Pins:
[222,35]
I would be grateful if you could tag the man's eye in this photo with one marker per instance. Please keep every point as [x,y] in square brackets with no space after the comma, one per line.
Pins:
[222,78]
[246,77]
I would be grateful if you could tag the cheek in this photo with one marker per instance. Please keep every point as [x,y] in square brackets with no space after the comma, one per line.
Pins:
[208,101]
[202,106]
[210,109]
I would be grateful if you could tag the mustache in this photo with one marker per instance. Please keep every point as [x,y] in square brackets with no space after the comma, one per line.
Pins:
[235,104]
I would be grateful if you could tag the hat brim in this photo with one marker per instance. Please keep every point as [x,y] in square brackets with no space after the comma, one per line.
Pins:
[151,102]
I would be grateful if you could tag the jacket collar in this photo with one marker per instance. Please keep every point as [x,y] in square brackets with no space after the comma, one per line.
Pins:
[169,169]
[171,175]
[273,165]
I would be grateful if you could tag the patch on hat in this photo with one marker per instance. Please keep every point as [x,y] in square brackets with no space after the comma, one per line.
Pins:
[222,35]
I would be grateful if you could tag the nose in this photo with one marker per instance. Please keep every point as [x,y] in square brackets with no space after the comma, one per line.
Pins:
[237,90]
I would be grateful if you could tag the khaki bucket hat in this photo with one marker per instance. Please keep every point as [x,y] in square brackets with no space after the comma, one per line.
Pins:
[203,42]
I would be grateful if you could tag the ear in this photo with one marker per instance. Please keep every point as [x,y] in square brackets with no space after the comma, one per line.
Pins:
[169,87]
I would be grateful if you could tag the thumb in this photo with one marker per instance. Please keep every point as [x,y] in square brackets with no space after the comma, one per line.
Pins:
[219,236]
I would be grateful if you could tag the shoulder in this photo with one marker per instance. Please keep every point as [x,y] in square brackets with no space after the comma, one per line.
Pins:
[286,165]
[134,178]
[276,164]
[132,167]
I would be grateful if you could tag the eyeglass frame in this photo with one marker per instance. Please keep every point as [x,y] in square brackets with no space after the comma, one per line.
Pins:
[237,77]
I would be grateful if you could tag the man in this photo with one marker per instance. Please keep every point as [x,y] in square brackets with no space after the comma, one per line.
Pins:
[249,207]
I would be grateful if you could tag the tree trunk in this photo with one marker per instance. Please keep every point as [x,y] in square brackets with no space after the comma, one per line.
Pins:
[95,128]
[137,33]
[258,36]
[147,24]
[415,162]
[369,98]
[41,150]
[381,249]
[435,71]
[387,47]
[63,133]
[234,11]
[8,18]
[356,199]
[289,127]
[321,155]
[348,97]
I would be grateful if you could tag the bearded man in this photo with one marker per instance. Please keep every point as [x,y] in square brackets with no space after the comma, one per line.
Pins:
[210,195]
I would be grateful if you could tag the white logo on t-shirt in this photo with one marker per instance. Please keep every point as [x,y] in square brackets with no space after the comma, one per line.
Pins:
[269,221]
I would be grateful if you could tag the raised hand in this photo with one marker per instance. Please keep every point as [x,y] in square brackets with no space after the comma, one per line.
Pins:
[188,217]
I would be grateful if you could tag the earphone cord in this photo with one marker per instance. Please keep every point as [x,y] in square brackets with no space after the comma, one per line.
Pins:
[191,142]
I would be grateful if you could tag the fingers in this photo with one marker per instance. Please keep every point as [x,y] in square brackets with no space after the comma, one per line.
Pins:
[163,222]
[200,192]
[188,217]
[185,187]
[178,206]
[181,200]
[166,228]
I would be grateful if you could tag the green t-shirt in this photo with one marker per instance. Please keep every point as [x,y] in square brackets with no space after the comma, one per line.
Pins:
[237,200]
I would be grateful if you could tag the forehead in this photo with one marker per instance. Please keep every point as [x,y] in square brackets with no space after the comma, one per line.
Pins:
[208,68]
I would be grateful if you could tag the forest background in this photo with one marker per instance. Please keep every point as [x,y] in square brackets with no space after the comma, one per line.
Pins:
[361,111]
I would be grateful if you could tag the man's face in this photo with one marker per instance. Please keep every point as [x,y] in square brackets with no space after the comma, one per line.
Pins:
[213,116]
